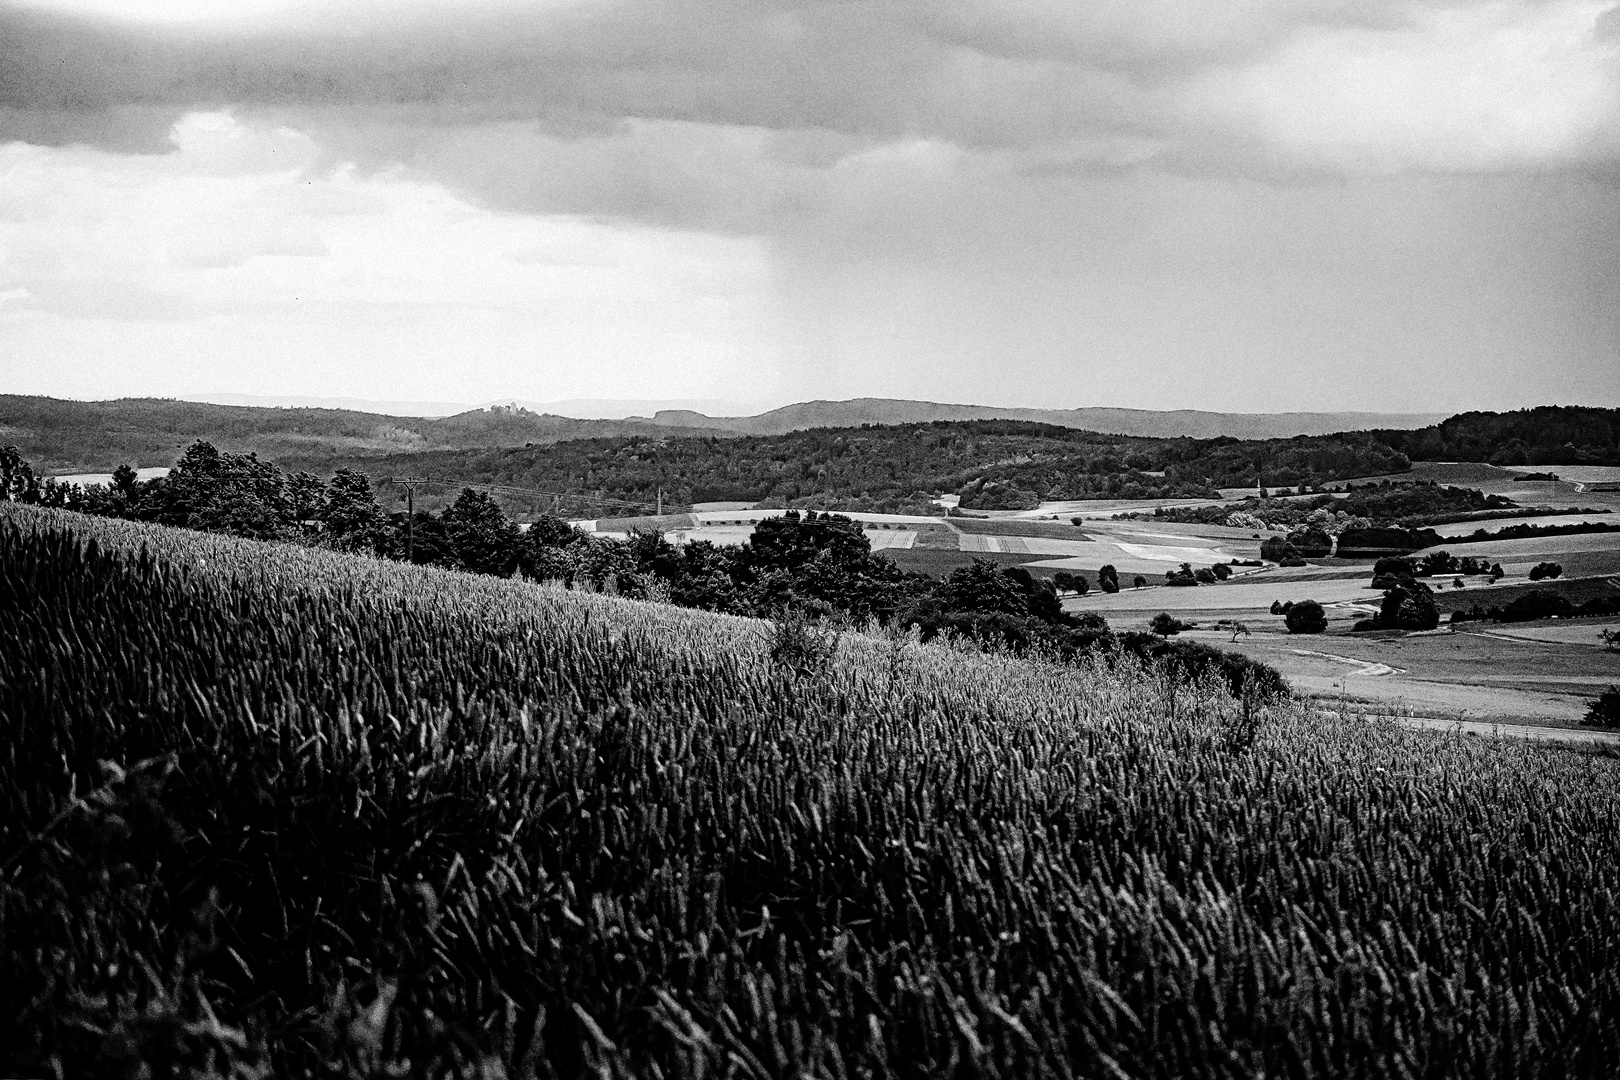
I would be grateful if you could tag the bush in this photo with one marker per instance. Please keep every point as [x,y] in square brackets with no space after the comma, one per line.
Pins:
[1306,617]
[1537,604]
[1221,571]
[1438,563]
[1278,550]
[1605,711]
[1182,577]
[1205,576]
[1409,606]
[1140,581]
[1546,570]
[1311,543]
[1167,625]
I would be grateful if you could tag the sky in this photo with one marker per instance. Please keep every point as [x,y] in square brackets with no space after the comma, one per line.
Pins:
[1248,205]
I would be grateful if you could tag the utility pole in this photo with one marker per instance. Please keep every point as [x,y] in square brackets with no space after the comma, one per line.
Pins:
[409,484]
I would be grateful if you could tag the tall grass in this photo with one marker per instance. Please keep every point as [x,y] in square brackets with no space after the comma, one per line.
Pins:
[268,808]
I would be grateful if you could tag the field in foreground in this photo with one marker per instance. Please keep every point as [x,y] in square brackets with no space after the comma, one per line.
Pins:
[268,805]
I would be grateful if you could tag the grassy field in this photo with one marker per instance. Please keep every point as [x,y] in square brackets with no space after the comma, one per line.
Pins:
[268,806]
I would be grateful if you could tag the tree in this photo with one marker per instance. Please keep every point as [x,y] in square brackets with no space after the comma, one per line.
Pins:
[1108,578]
[1605,711]
[1306,617]
[1438,563]
[1063,581]
[982,587]
[790,541]
[18,483]
[1409,605]
[306,496]
[349,509]
[1167,625]
[230,493]
[1545,570]
[1221,571]
[1140,581]
[484,539]
[1181,577]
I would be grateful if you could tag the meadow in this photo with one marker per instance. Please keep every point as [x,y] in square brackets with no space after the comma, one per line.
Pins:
[266,809]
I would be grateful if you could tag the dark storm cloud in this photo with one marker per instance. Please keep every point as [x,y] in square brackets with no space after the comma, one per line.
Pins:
[978,74]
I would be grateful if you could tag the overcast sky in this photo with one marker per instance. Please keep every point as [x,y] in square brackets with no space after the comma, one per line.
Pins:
[1226,204]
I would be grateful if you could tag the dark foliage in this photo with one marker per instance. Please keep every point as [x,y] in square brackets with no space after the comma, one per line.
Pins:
[1408,605]
[1546,435]
[1605,711]
[1305,617]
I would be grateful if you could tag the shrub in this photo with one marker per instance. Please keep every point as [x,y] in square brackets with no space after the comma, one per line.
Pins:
[1167,625]
[1438,563]
[1545,570]
[1306,617]
[799,647]
[1278,550]
[1205,576]
[1139,581]
[1537,604]
[1409,605]
[1605,711]
[1311,543]
[1221,571]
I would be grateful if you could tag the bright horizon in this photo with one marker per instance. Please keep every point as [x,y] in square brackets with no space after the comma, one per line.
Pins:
[1403,206]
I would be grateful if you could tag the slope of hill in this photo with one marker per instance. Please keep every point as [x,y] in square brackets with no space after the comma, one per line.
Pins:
[1168,424]
[1546,435]
[94,436]
[991,464]
[270,810]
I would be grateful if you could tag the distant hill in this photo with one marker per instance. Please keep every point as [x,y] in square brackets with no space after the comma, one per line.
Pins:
[1141,423]
[94,436]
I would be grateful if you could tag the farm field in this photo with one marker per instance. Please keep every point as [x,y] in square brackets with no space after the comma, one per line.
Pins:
[1472,673]
[1496,480]
[441,823]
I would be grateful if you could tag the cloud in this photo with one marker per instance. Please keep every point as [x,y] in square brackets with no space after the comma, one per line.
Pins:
[897,196]
[1318,83]
[241,261]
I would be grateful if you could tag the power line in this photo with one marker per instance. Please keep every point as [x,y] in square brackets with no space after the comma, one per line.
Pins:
[410,483]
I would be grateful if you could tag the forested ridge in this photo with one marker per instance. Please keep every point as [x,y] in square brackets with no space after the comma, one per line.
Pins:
[1545,435]
[992,464]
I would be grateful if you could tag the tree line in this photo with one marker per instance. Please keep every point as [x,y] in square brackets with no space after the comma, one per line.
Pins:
[811,566]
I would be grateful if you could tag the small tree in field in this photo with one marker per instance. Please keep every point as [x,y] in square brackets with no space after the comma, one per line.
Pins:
[1167,625]
[1306,617]
[1140,582]
[1605,711]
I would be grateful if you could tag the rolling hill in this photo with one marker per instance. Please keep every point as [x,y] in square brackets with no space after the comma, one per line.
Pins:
[93,436]
[1142,423]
